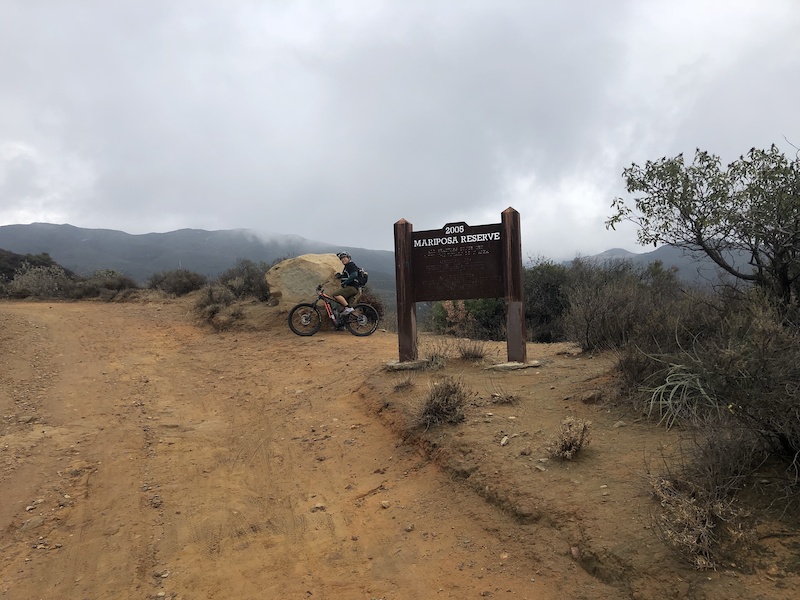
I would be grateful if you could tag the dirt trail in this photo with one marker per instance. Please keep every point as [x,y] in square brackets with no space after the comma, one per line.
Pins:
[142,457]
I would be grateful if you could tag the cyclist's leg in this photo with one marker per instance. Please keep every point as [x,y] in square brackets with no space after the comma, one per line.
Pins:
[341,300]
[347,293]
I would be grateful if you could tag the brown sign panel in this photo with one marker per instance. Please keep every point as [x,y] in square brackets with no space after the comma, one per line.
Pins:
[457,262]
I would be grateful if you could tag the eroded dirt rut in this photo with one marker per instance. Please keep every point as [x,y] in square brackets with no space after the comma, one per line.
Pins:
[144,457]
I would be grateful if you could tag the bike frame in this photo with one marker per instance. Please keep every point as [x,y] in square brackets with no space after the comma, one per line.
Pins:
[327,300]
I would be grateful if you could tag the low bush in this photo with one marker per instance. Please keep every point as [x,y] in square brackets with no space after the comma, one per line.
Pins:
[178,282]
[104,284]
[374,300]
[246,279]
[617,303]
[40,282]
[213,299]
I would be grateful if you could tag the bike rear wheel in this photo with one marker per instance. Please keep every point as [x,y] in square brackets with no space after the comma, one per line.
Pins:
[362,321]
[304,319]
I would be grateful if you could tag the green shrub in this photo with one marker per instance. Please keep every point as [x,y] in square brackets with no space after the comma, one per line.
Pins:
[246,279]
[214,298]
[104,284]
[178,283]
[617,303]
[545,300]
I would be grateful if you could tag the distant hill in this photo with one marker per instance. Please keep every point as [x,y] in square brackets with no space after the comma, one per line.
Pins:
[691,267]
[208,252]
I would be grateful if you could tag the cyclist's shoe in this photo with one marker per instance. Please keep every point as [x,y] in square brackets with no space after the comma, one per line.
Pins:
[347,311]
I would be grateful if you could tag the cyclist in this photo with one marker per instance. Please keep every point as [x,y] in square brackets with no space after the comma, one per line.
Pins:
[349,278]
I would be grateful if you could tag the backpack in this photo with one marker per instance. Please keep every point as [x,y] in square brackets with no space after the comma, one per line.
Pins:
[362,278]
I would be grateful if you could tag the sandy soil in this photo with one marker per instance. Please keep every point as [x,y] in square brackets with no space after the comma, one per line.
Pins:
[145,456]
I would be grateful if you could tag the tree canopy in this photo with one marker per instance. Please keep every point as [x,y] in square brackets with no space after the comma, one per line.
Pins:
[750,208]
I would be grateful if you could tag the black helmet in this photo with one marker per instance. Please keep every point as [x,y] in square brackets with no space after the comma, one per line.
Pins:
[341,255]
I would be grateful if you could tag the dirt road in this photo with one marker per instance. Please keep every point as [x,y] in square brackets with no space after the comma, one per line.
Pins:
[142,456]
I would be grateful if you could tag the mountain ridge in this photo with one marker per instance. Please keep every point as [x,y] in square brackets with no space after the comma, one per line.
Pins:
[140,256]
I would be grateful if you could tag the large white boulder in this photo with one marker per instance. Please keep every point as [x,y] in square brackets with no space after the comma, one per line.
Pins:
[296,279]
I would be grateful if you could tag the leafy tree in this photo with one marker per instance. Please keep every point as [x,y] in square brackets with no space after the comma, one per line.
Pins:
[11,262]
[750,208]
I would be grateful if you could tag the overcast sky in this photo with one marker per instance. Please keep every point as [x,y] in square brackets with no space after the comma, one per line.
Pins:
[334,119]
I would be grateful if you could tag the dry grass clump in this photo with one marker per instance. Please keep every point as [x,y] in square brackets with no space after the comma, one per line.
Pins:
[437,354]
[697,491]
[405,382]
[573,435]
[444,403]
[687,522]
[471,349]
[502,397]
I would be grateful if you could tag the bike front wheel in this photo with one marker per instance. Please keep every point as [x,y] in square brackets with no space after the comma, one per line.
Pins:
[304,319]
[363,320]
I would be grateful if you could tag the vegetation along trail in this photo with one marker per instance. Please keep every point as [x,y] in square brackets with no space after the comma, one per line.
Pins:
[145,456]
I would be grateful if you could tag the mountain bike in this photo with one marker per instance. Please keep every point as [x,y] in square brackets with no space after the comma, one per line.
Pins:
[306,318]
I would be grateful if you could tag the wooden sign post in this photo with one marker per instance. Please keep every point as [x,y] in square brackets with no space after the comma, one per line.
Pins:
[460,262]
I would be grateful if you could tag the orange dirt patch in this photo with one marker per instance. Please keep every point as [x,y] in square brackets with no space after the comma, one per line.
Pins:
[145,456]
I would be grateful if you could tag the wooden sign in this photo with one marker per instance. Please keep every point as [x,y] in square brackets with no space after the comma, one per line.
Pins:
[459,262]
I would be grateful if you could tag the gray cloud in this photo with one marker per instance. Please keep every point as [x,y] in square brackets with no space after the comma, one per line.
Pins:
[332,120]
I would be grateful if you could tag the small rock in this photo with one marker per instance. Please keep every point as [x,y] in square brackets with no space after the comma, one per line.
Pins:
[592,397]
[539,468]
[32,523]
[409,528]
[513,366]
[526,451]
[504,441]
[575,552]
[385,504]
[619,424]
[318,507]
